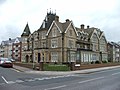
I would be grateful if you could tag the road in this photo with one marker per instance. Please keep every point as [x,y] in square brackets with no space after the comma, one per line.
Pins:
[11,79]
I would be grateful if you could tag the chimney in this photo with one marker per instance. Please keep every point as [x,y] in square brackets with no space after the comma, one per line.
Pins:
[57,18]
[67,20]
[82,26]
[9,39]
[88,27]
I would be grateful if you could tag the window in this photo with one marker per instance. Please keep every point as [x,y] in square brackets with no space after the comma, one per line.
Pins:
[85,57]
[25,47]
[42,56]
[78,45]
[71,56]
[102,48]
[102,40]
[54,32]
[94,38]
[70,32]
[54,43]
[94,57]
[85,46]
[43,35]
[95,47]
[16,51]
[16,45]
[43,44]
[43,26]
[71,45]
[36,44]
[54,57]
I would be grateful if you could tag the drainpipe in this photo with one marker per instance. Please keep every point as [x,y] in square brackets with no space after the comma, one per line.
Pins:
[62,47]
[33,52]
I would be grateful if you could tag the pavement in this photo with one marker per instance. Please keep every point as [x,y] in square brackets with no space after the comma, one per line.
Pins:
[86,71]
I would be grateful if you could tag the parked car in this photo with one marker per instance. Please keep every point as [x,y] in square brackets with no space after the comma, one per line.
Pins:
[5,62]
[11,59]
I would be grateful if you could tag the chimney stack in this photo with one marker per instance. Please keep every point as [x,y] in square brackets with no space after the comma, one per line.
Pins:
[82,26]
[67,20]
[9,39]
[57,18]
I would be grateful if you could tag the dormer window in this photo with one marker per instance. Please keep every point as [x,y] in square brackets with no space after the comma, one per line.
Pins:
[24,32]
[43,26]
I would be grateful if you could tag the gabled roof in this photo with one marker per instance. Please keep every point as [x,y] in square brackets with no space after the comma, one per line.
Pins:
[94,30]
[89,31]
[26,31]
[62,27]
[19,39]
[56,23]
[68,25]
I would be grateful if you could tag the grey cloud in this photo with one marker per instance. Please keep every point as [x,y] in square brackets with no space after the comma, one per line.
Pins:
[11,32]
[2,1]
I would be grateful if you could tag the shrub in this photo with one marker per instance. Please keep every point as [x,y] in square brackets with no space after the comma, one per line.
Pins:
[56,67]
[104,61]
[97,62]
[92,62]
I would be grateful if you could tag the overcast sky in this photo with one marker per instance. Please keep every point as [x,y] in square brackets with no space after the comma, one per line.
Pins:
[103,14]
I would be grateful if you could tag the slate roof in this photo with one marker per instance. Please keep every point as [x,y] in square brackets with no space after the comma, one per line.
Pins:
[50,17]
[7,42]
[114,44]
[19,38]
[63,26]
[26,31]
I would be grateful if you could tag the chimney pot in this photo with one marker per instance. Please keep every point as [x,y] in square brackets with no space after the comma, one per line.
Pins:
[88,27]
[82,26]
[67,20]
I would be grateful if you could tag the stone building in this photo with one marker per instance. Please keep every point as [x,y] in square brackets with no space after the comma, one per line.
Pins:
[24,49]
[62,42]
[91,45]
[7,48]
[16,49]
[11,49]
[113,52]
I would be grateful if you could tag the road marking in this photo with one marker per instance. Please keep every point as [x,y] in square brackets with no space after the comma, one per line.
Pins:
[39,79]
[101,71]
[91,80]
[56,87]
[116,73]
[4,79]
[34,79]
[15,70]
[19,81]
[2,83]
[30,80]
[11,82]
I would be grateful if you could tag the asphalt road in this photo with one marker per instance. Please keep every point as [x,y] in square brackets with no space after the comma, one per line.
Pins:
[11,79]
